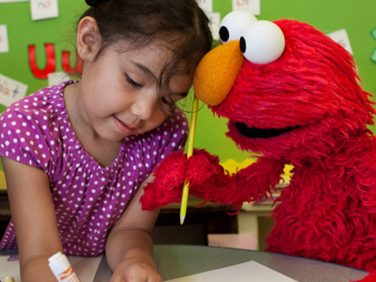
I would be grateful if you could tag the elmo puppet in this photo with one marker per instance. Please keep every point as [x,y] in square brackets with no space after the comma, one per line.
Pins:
[291,95]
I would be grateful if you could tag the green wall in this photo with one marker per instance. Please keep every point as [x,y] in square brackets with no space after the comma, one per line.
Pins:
[357,17]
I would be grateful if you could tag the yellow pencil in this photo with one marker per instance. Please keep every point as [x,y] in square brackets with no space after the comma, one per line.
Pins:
[191,138]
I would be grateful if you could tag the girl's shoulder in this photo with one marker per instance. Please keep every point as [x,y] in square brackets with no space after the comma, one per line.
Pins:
[33,126]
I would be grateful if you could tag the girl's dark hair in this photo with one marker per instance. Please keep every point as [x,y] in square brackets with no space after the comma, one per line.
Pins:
[181,23]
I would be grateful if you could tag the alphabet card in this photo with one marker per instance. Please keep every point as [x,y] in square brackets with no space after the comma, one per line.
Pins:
[252,6]
[11,90]
[44,9]
[215,21]
[55,78]
[206,5]
[340,36]
[4,45]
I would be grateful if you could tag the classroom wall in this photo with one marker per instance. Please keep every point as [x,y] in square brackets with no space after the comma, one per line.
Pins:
[356,17]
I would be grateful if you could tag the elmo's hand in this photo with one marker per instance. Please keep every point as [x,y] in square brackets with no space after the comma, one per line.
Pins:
[202,170]
[167,185]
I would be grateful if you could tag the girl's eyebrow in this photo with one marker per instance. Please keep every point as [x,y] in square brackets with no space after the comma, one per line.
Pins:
[145,70]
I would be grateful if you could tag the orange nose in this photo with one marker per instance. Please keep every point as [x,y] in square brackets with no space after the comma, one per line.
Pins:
[216,73]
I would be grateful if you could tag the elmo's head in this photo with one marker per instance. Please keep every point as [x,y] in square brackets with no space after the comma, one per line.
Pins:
[287,89]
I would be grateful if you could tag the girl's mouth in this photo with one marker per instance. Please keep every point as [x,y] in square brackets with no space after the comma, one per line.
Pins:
[122,127]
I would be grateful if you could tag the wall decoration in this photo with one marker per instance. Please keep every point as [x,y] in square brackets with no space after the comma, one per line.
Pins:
[11,90]
[373,55]
[44,9]
[50,66]
[4,45]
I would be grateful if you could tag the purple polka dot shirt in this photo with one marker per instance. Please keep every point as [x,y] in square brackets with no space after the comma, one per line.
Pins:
[88,198]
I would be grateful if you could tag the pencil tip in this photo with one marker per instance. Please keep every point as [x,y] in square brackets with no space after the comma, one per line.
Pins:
[182,217]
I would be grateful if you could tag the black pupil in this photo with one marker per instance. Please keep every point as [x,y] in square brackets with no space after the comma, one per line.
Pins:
[243,45]
[224,34]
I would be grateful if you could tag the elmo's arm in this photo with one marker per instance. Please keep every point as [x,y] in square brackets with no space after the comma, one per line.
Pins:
[210,182]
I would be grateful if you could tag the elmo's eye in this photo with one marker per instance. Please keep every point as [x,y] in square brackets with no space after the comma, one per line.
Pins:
[263,42]
[234,24]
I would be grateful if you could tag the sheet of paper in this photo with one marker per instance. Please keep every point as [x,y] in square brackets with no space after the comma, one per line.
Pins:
[215,20]
[4,44]
[243,272]
[85,267]
[44,9]
[9,267]
[11,90]
[55,78]
[341,37]
[206,5]
[253,6]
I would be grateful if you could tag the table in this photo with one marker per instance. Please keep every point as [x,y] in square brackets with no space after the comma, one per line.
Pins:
[201,220]
[180,260]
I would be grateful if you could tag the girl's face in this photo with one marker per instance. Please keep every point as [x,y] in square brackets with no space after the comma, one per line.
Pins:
[119,92]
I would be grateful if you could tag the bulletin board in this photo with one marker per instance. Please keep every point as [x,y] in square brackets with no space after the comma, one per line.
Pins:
[358,18]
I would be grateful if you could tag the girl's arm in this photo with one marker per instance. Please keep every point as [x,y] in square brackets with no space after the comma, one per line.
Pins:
[33,215]
[129,246]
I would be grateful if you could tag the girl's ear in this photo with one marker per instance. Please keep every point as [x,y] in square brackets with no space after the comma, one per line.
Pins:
[88,39]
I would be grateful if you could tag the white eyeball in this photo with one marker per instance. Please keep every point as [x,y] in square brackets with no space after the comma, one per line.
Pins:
[234,24]
[263,42]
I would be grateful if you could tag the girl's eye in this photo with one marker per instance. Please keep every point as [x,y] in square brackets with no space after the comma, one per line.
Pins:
[168,104]
[167,101]
[133,83]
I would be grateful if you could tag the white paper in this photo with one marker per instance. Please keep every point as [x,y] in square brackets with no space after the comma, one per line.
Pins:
[206,5]
[340,36]
[252,6]
[55,78]
[9,267]
[44,9]
[10,1]
[215,21]
[85,267]
[243,272]
[11,90]
[4,45]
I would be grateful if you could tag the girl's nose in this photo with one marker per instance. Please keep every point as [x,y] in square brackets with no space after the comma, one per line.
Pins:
[144,107]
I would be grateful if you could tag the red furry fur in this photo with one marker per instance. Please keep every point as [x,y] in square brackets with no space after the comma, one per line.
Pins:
[328,211]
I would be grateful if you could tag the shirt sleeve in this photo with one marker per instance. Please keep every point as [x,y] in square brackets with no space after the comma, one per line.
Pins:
[22,138]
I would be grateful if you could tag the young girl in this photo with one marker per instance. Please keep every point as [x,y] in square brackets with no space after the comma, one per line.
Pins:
[77,155]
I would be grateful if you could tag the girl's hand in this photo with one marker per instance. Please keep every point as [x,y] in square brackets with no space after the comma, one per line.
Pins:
[132,270]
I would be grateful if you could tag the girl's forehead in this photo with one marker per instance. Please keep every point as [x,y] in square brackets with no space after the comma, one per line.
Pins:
[156,56]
